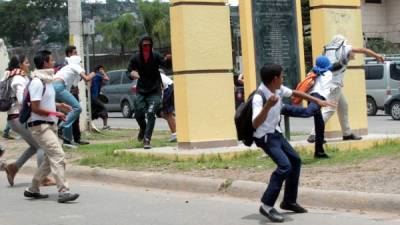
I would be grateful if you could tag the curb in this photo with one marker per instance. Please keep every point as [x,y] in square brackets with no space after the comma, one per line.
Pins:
[388,203]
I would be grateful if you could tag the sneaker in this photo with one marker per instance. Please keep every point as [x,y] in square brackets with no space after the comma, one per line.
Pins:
[106,128]
[321,155]
[351,137]
[34,195]
[69,144]
[146,143]
[82,142]
[173,138]
[140,135]
[294,207]
[311,139]
[8,136]
[272,215]
[64,197]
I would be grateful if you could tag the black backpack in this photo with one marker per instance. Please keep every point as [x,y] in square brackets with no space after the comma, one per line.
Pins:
[7,98]
[243,119]
[26,110]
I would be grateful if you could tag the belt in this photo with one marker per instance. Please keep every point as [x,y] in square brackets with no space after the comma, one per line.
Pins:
[39,122]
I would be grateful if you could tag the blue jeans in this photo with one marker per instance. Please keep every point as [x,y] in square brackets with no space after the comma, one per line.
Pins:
[64,96]
[7,129]
[313,109]
[288,170]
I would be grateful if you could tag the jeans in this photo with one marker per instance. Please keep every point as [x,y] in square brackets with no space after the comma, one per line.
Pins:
[33,148]
[64,96]
[147,105]
[313,109]
[288,170]
[7,129]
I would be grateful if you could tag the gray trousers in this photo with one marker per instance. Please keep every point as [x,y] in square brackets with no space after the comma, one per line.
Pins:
[342,109]
[33,145]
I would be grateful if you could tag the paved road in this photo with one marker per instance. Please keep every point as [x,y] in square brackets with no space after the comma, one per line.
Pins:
[105,204]
[377,124]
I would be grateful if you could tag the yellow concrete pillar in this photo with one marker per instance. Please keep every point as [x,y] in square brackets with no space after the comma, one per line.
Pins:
[203,79]
[331,17]
[248,44]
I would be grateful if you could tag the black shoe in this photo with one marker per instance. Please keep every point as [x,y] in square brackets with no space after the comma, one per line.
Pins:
[2,150]
[351,137]
[272,215]
[321,155]
[146,143]
[64,197]
[294,207]
[34,195]
[83,142]
[140,136]
[311,139]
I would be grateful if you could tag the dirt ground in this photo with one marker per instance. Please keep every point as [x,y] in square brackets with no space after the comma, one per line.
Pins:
[380,175]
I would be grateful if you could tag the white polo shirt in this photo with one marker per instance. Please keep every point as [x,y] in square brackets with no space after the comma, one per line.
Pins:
[323,84]
[47,100]
[274,115]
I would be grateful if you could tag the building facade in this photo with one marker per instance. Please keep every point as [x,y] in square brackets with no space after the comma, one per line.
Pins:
[381,19]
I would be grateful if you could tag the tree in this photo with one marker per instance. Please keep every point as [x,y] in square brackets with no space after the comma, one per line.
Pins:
[155,17]
[122,31]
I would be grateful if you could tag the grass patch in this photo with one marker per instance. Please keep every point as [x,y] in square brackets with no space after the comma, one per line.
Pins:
[103,156]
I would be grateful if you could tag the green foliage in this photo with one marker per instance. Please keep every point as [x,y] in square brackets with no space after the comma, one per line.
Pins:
[122,31]
[156,21]
[382,46]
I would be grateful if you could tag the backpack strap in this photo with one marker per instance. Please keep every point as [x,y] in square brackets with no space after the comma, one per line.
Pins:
[259,92]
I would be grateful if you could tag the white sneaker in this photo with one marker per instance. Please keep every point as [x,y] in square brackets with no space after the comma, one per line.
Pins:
[71,145]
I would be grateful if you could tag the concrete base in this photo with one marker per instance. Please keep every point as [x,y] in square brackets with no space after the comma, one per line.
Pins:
[226,153]
[339,134]
[207,144]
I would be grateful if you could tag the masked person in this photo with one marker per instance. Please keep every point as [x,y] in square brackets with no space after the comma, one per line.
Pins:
[145,66]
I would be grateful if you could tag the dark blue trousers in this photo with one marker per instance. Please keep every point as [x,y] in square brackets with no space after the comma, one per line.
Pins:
[314,110]
[288,170]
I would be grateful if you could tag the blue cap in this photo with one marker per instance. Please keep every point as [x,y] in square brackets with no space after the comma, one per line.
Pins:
[322,64]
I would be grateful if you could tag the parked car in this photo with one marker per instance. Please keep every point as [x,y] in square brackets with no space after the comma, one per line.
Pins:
[392,107]
[382,81]
[120,92]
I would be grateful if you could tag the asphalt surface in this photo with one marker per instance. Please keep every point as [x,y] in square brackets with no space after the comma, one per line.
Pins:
[376,124]
[105,204]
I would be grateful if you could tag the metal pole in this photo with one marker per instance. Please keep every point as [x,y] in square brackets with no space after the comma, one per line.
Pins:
[287,127]
[89,96]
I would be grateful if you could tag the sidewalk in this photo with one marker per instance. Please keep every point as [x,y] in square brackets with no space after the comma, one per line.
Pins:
[173,153]
[344,200]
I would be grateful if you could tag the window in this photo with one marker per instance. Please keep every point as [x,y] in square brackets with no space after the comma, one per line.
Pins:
[115,78]
[125,78]
[373,72]
[395,71]
[374,1]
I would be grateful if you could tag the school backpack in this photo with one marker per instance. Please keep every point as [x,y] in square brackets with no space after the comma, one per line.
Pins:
[244,119]
[7,98]
[26,110]
[336,54]
[304,86]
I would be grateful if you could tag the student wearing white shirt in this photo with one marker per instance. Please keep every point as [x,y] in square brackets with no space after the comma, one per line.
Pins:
[341,57]
[168,105]
[43,123]
[268,136]
[18,71]
[63,80]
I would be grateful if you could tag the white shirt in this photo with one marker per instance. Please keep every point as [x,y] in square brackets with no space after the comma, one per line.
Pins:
[47,100]
[70,74]
[274,115]
[166,81]
[338,77]
[18,85]
[323,84]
